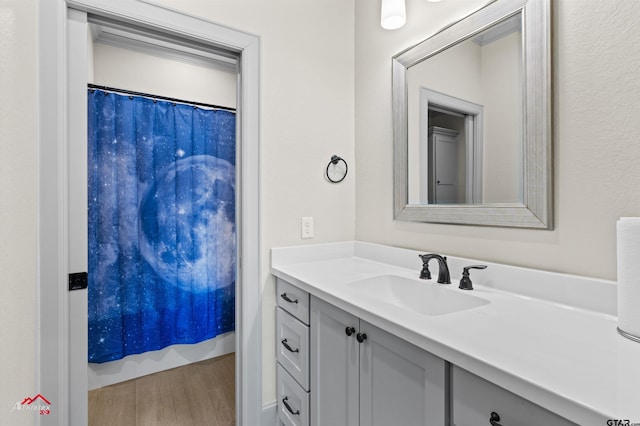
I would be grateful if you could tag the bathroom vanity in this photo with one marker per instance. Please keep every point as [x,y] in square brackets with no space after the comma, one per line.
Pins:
[361,341]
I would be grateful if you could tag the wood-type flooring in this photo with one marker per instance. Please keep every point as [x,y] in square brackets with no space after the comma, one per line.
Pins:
[199,394]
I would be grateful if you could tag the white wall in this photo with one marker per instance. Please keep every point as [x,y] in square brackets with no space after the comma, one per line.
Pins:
[18,193]
[131,69]
[151,72]
[596,58]
[306,114]
[502,85]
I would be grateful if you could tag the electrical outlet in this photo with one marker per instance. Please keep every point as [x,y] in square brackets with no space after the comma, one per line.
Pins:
[307,227]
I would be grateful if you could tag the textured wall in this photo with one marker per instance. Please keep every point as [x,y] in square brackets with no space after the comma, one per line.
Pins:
[18,174]
[596,58]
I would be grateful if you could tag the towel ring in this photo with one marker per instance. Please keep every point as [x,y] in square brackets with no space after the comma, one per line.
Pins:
[339,176]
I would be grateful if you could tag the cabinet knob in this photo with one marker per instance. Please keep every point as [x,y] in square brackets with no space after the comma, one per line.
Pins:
[361,337]
[349,331]
[494,419]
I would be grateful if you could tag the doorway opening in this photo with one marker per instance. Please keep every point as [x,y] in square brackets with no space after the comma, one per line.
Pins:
[151,307]
[451,149]
[71,29]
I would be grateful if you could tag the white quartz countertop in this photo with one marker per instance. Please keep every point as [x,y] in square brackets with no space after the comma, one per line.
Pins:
[529,339]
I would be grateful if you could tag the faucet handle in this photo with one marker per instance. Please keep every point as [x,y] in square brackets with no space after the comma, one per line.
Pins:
[425,273]
[465,282]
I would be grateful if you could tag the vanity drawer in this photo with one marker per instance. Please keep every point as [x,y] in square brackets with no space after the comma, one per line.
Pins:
[292,349]
[293,300]
[474,399]
[293,401]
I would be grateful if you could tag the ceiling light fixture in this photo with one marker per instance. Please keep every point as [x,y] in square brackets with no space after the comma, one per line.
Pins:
[393,14]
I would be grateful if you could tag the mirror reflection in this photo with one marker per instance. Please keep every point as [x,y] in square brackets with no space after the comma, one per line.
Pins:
[465,120]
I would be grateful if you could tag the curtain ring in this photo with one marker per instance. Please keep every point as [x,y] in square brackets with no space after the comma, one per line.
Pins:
[334,161]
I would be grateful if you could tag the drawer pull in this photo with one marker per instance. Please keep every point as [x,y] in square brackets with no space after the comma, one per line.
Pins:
[288,407]
[289,348]
[361,337]
[349,331]
[288,299]
[494,419]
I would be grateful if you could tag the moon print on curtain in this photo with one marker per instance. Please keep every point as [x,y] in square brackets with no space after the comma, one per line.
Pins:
[162,234]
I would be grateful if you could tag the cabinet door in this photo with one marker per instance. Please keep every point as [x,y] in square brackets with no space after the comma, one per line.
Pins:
[334,366]
[400,384]
[474,399]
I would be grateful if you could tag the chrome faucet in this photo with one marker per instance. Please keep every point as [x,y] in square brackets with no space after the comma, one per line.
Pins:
[443,268]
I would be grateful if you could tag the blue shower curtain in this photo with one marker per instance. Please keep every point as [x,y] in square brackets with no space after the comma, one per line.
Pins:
[162,234]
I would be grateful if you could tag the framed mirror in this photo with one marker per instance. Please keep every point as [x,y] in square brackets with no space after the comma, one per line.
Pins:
[472,121]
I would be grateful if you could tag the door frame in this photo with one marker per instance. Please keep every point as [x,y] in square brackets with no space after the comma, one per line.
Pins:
[53,366]
[474,136]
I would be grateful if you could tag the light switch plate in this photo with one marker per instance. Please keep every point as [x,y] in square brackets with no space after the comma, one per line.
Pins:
[307,227]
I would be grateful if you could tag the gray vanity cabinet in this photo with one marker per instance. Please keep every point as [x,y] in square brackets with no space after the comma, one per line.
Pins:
[334,368]
[360,373]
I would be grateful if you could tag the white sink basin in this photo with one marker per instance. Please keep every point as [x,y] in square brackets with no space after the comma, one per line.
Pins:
[423,297]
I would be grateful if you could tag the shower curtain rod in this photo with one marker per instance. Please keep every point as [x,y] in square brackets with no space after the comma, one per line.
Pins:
[162,98]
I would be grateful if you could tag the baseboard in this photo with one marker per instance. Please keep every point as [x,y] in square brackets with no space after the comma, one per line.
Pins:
[269,414]
[135,366]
